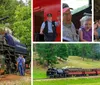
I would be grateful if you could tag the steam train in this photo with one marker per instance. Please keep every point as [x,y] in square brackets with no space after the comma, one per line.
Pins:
[10,48]
[71,72]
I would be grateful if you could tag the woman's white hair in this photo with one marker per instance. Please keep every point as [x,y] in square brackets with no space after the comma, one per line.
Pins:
[84,19]
[8,30]
[5,30]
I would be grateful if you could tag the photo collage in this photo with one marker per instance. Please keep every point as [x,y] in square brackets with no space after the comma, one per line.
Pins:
[44,42]
[66,42]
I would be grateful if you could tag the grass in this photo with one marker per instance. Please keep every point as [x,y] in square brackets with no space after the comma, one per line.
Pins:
[87,81]
[39,72]
[72,61]
[75,61]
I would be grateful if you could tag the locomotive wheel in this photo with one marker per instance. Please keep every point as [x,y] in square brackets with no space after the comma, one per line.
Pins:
[8,68]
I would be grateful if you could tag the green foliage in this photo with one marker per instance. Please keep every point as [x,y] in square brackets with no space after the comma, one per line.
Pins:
[22,24]
[61,51]
[48,53]
[7,8]
[19,19]
[84,50]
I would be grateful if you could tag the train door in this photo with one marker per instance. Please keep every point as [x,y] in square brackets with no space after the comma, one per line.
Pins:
[38,20]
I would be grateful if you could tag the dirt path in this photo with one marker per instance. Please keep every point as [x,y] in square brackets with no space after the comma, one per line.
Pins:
[15,80]
[9,77]
[48,79]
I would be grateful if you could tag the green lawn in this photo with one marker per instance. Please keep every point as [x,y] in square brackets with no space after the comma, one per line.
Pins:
[39,72]
[72,61]
[75,61]
[87,81]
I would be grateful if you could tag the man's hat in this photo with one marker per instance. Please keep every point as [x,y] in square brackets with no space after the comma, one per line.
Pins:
[66,7]
[49,15]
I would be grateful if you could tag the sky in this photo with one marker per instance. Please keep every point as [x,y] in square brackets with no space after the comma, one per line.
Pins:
[23,1]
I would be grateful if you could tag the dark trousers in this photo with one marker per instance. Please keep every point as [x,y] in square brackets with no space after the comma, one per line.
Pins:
[49,37]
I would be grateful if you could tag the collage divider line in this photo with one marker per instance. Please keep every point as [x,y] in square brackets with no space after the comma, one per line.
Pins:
[92,20]
[31,42]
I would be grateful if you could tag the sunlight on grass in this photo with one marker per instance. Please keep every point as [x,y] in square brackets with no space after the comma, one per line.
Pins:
[78,62]
[70,82]
[39,73]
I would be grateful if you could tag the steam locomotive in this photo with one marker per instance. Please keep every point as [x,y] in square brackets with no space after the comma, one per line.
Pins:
[71,72]
[10,48]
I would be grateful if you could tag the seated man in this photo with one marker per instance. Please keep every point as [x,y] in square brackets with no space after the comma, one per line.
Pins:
[69,31]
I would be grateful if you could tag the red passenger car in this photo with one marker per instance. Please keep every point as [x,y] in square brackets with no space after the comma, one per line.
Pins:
[40,10]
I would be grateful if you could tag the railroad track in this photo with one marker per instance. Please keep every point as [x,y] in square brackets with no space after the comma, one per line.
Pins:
[50,79]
